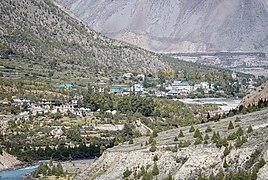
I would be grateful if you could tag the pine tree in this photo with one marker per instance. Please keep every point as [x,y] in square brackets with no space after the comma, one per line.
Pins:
[175,139]
[197,134]
[220,175]
[250,129]
[226,151]
[230,126]
[127,173]
[155,158]
[238,142]
[181,134]
[225,165]
[192,129]
[131,141]
[239,132]
[155,170]
[155,133]
[206,137]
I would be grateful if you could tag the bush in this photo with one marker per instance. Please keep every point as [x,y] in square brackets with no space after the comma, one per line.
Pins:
[152,148]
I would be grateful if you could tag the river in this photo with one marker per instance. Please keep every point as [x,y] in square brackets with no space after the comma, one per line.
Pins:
[17,173]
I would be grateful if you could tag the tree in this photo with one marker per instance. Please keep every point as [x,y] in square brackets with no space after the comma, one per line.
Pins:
[220,175]
[250,129]
[175,139]
[226,151]
[238,142]
[131,141]
[155,158]
[169,177]
[230,126]
[155,133]
[192,129]
[208,129]
[225,165]
[127,173]
[239,132]
[181,134]
[197,134]
[155,170]
[206,137]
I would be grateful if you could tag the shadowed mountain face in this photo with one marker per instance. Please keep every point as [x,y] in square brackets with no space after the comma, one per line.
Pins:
[179,25]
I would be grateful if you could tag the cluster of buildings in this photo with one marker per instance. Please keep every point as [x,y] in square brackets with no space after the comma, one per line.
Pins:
[184,88]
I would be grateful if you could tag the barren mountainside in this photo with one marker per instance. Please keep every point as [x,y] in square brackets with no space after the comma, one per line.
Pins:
[179,25]
[187,161]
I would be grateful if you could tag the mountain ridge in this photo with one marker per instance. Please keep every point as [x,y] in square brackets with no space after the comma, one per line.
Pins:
[179,26]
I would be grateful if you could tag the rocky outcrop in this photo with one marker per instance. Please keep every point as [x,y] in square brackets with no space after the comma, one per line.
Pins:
[179,25]
[8,161]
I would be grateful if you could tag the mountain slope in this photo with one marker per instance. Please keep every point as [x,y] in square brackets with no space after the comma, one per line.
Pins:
[45,35]
[187,162]
[179,26]
[259,93]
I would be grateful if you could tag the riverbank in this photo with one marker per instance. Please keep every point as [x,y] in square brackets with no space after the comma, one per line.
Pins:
[9,162]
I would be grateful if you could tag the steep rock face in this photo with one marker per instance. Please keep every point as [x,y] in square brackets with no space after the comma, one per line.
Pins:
[176,26]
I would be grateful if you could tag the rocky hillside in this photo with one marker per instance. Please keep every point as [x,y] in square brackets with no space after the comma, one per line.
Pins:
[43,34]
[179,25]
[255,96]
[7,161]
[246,149]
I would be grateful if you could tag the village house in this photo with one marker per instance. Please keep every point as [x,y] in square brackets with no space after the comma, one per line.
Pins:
[180,86]
[120,89]
[66,86]
[137,88]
